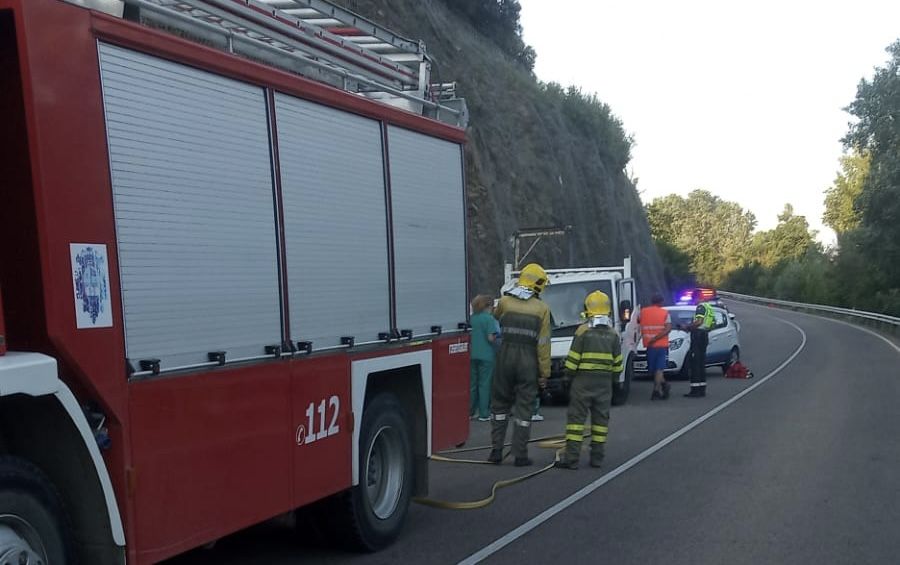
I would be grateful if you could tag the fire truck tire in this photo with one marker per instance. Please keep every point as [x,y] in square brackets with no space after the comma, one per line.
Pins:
[32,522]
[374,511]
[621,390]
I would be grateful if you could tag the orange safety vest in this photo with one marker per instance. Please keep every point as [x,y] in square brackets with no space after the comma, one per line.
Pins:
[653,321]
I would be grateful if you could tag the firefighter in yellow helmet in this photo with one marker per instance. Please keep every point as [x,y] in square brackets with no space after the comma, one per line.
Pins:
[523,363]
[593,363]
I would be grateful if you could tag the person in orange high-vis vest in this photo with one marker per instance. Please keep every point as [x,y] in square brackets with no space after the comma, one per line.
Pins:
[656,323]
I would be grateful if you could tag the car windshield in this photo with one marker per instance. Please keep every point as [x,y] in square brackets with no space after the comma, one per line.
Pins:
[566,300]
[681,317]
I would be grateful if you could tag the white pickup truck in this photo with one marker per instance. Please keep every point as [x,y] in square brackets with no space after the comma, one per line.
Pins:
[565,295]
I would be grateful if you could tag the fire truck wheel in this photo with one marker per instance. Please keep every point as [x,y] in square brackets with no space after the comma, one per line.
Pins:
[32,522]
[375,510]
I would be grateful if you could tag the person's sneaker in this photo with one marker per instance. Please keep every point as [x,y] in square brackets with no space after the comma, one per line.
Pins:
[496,456]
[665,391]
[523,462]
[563,464]
[656,395]
[537,418]
[480,419]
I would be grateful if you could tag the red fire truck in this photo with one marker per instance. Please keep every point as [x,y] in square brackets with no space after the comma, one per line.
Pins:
[233,274]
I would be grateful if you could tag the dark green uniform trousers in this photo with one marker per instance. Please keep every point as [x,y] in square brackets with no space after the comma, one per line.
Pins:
[590,393]
[513,391]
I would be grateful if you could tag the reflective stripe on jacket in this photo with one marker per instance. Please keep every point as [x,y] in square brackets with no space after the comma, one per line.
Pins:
[595,350]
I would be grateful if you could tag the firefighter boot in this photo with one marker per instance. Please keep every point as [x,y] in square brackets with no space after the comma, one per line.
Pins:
[598,450]
[521,433]
[566,464]
[498,436]
[571,455]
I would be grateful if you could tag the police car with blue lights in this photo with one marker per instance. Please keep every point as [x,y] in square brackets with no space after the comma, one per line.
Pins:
[724,347]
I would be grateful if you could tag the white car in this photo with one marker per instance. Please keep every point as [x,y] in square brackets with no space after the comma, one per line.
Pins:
[724,346]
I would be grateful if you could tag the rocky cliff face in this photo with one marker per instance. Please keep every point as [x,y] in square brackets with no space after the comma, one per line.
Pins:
[529,162]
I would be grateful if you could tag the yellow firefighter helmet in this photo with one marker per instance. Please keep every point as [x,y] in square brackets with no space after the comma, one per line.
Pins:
[533,277]
[597,304]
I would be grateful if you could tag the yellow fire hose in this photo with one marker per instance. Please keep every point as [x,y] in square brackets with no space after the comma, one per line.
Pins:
[548,442]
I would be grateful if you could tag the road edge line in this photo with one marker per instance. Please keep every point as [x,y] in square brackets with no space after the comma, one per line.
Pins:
[536,521]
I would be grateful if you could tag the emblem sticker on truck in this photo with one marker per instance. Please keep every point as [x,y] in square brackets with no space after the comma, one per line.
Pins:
[90,278]
[458,348]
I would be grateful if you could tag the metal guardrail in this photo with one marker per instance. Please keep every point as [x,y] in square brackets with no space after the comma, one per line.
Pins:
[872,319]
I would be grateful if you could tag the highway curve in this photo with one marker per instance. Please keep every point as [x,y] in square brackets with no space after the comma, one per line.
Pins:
[803,468]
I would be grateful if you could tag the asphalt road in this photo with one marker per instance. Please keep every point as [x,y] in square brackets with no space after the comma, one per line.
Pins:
[803,468]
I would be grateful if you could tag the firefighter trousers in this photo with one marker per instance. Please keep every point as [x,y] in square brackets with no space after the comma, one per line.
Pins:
[590,394]
[513,390]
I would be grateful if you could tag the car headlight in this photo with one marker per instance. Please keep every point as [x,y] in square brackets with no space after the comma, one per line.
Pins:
[676,343]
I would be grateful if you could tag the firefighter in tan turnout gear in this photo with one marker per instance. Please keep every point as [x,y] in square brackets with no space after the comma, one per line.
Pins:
[594,361]
[523,363]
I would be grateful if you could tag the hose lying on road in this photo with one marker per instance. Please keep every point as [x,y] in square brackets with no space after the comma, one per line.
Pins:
[548,442]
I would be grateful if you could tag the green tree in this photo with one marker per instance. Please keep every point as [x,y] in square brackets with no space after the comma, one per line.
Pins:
[803,279]
[877,133]
[841,213]
[789,240]
[714,233]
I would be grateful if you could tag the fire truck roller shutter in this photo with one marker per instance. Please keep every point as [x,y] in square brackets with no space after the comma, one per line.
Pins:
[192,184]
[335,216]
[429,230]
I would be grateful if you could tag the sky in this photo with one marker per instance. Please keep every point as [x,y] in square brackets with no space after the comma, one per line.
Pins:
[744,99]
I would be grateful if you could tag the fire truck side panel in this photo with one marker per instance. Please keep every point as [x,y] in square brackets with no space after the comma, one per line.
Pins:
[211,455]
[72,204]
[323,427]
[193,190]
[429,230]
[70,179]
[451,362]
[335,219]
[24,305]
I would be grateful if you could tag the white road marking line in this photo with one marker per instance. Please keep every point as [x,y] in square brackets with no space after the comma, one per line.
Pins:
[533,523]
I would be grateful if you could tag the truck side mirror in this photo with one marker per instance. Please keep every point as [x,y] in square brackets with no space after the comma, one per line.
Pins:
[625,307]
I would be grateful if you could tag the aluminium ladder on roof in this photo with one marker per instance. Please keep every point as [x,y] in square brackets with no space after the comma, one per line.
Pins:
[313,38]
